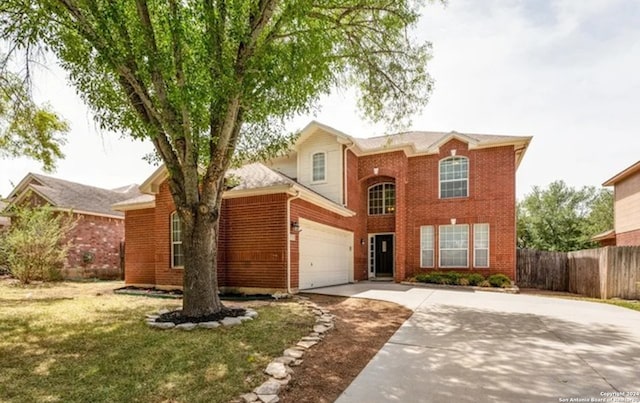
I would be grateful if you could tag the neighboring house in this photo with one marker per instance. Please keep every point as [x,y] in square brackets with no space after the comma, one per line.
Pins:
[339,209]
[626,207]
[99,231]
[4,221]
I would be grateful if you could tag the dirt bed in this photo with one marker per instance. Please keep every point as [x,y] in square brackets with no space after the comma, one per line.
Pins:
[362,327]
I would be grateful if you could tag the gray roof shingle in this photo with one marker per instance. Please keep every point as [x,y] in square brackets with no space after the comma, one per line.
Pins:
[75,196]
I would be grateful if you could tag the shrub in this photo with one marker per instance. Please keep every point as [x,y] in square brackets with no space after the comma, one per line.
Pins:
[499,280]
[484,283]
[475,278]
[35,245]
[463,281]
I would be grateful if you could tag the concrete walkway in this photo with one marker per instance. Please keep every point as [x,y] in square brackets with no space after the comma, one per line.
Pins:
[462,346]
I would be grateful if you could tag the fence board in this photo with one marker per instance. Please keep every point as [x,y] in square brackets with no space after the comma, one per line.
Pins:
[609,272]
[542,270]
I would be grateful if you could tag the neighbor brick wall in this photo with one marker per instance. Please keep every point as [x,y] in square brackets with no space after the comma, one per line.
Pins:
[100,237]
[97,235]
[630,238]
[139,229]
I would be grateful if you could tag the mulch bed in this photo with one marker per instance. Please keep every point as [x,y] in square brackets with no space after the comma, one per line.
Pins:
[362,327]
[177,317]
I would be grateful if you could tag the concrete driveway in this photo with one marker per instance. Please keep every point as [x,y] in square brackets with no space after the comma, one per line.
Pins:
[462,346]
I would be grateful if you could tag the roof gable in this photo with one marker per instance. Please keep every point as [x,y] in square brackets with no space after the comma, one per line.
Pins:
[66,195]
[627,172]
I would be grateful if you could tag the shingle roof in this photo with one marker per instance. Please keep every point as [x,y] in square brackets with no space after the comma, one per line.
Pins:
[423,141]
[70,195]
[256,176]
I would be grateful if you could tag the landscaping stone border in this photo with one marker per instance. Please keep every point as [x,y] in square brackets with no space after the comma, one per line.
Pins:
[150,319]
[281,368]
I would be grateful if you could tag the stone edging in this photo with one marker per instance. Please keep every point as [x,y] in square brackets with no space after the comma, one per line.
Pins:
[511,290]
[279,370]
[250,314]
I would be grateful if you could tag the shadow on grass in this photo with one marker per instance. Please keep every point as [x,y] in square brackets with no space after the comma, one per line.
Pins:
[121,359]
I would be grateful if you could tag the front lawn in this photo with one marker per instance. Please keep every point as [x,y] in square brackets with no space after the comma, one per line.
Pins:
[79,342]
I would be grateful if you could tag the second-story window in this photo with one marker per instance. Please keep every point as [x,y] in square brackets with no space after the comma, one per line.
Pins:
[318,167]
[382,199]
[454,177]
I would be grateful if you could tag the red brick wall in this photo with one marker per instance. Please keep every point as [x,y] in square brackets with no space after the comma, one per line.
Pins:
[251,247]
[491,200]
[630,238]
[100,238]
[253,242]
[139,254]
[97,236]
[165,275]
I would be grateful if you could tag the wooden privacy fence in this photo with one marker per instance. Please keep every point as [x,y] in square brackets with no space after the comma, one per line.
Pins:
[609,272]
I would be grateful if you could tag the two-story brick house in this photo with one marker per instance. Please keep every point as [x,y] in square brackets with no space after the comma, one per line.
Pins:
[339,209]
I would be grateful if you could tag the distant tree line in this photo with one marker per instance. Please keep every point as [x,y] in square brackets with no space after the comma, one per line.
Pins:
[563,218]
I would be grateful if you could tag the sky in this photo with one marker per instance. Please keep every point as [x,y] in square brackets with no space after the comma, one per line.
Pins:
[566,72]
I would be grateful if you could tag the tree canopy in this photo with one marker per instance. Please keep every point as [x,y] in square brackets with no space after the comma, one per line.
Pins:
[212,80]
[562,218]
[26,128]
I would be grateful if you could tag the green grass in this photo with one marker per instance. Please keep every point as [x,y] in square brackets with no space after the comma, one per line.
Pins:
[65,343]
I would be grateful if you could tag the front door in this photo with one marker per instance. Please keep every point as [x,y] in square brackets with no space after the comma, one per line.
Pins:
[384,255]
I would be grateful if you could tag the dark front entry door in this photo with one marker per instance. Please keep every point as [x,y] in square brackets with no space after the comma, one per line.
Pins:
[384,255]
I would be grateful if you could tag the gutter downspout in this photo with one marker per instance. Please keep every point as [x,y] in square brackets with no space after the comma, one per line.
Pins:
[288,223]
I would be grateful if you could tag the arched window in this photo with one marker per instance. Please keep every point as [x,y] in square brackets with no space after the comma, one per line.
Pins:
[382,199]
[318,167]
[177,253]
[454,177]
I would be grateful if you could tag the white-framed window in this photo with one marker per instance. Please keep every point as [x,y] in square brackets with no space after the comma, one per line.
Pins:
[177,253]
[426,246]
[382,199]
[454,245]
[481,245]
[454,177]
[319,167]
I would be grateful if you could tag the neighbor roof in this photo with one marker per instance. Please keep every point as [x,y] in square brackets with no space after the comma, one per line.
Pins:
[66,195]
[623,175]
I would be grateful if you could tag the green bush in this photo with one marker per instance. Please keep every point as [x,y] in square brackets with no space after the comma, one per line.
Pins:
[484,283]
[475,278]
[36,246]
[499,280]
[450,277]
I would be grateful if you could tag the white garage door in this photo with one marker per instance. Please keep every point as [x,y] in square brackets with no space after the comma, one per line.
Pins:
[326,255]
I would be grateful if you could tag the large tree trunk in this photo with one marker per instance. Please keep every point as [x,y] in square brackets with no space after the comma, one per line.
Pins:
[200,244]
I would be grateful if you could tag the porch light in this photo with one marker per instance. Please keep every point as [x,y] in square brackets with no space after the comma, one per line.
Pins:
[375,170]
[295,226]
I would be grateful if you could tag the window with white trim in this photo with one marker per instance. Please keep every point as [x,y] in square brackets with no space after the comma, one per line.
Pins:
[177,253]
[454,245]
[426,246]
[454,177]
[318,167]
[481,245]
[382,199]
